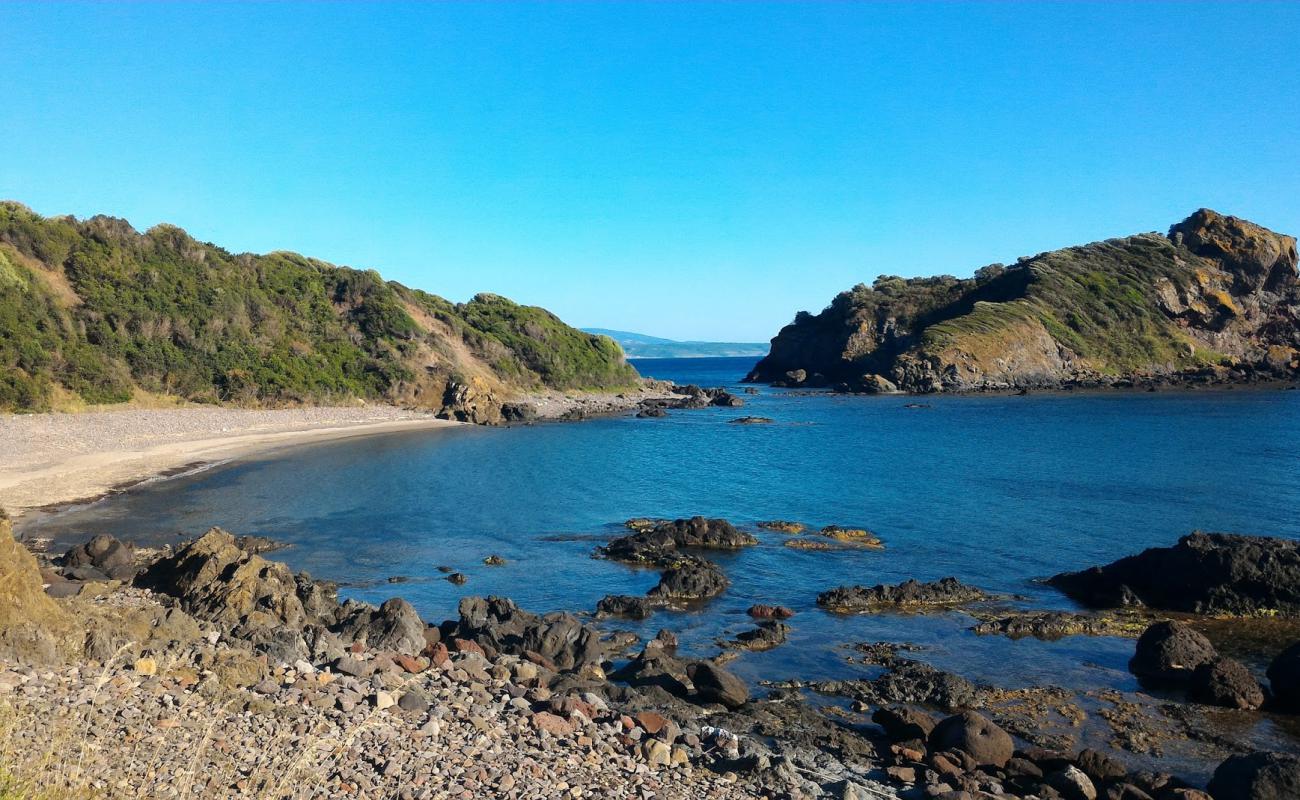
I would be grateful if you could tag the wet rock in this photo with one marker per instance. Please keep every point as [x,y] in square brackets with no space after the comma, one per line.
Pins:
[1225,682]
[765,636]
[857,536]
[1257,776]
[713,684]
[657,665]
[650,412]
[690,578]
[911,595]
[457,578]
[907,681]
[976,735]
[624,605]
[1284,678]
[902,724]
[807,544]
[1052,625]
[1170,652]
[782,526]
[1100,768]
[752,421]
[761,611]
[105,554]
[494,561]
[658,544]
[1204,573]
[559,638]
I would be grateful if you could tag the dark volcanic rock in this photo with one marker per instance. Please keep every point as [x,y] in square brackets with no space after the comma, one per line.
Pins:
[1284,678]
[1225,682]
[1051,625]
[690,578]
[752,421]
[763,637]
[1258,776]
[624,605]
[909,595]
[713,684]
[656,545]
[1170,652]
[762,611]
[559,638]
[976,735]
[907,681]
[651,411]
[1205,573]
[902,724]
[105,554]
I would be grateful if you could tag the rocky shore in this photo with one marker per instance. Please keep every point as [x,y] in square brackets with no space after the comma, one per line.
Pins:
[207,670]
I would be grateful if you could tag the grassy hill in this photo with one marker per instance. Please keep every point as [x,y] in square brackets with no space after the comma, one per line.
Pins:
[94,311]
[1215,300]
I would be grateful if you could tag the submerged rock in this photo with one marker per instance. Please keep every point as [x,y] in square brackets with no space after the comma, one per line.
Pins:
[908,595]
[782,526]
[762,611]
[1204,573]
[858,536]
[752,421]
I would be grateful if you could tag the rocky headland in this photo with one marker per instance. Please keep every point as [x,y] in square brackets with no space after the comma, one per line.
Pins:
[1216,301]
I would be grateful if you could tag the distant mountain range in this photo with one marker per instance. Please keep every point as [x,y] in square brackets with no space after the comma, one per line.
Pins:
[638,345]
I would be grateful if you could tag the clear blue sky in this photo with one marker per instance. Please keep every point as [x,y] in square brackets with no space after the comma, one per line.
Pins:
[680,170]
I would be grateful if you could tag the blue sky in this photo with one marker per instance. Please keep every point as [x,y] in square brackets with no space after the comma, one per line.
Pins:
[689,171]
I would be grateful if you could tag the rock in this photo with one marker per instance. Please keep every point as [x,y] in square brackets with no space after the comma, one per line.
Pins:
[649,412]
[413,701]
[651,722]
[976,735]
[1284,678]
[752,421]
[713,684]
[690,578]
[1204,573]
[658,545]
[559,638]
[624,605]
[394,626]
[347,665]
[382,700]
[903,724]
[1053,625]
[34,629]
[782,526]
[657,666]
[1257,776]
[1072,784]
[807,544]
[769,612]
[857,536]
[552,724]
[765,636]
[656,753]
[106,554]
[1170,652]
[877,384]
[1225,682]
[909,595]
[1100,768]
[494,561]
[457,578]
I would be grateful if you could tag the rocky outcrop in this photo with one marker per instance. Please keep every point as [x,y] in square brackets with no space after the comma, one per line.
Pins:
[690,578]
[910,595]
[1052,625]
[1204,573]
[658,543]
[101,558]
[1217,300]
[33,627]
[559,640]
[975,735]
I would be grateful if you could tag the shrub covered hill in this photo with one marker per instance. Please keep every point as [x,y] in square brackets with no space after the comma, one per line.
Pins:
[1215,301]
[92,310]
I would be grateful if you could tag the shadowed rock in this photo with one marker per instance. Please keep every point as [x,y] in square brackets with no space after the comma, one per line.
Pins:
[911,595]
[658,544]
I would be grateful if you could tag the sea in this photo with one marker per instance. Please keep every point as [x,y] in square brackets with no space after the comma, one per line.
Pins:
[997,491]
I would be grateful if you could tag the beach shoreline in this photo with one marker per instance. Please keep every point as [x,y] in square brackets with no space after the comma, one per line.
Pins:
[53,460]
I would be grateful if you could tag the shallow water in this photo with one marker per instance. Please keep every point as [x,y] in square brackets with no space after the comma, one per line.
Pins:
[998,491]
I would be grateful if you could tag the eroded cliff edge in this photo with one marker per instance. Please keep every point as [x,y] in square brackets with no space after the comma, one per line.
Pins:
[1216,300]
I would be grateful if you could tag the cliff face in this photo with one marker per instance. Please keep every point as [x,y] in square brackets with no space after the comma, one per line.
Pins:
[93,311]
[1216,300]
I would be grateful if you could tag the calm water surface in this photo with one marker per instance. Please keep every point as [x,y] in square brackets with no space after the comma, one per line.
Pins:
[998,491]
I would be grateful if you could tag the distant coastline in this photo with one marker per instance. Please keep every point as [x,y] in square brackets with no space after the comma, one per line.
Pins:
[639,345]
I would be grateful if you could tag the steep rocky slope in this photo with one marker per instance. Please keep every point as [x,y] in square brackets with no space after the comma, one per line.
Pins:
[92,310]
[1216,300]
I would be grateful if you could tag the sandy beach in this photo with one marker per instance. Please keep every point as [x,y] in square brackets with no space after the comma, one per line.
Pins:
[51,459]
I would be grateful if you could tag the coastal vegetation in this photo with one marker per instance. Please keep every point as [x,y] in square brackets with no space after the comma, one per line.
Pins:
[1215,300]
[96,310]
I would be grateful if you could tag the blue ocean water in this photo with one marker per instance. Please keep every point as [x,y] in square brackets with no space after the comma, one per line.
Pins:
[998,491]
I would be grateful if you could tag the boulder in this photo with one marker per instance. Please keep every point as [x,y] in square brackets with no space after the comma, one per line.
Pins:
[1284,678]
[902,723]
[877,384]
[1204,573]
[761,611]
[909,595]
[764,636]
[394,626]
[625,605]
[1072,784]
[657,665]
[1170,652]
[106,554]
[976,735]
[1257,776]
[908,681]
[559,638]
[1225,682]
[713,684]
[690,579]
